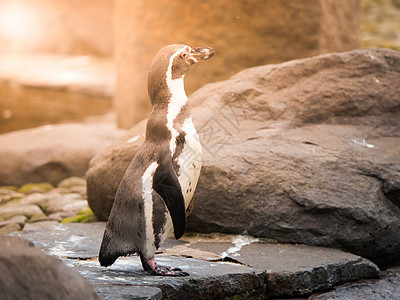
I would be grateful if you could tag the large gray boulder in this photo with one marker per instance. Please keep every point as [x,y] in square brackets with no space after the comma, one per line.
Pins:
[52,153]
[28,273]
[307,151]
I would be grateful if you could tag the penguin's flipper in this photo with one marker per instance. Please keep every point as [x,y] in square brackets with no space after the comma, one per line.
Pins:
[166,184]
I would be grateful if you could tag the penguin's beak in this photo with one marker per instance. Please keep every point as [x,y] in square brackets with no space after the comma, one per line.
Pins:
[201,53]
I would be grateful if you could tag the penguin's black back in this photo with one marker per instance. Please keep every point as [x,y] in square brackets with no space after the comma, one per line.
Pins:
[123,228]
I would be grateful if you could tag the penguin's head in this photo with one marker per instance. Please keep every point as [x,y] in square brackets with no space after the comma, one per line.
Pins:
[185,57]
[171,63]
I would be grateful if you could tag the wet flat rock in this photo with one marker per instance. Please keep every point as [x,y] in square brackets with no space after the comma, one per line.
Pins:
[73,240]
[78,244]
[296,269]
[262,270]
[207,280]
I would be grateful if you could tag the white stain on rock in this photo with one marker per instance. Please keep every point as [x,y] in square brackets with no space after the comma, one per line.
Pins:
[239,241]
[363,143]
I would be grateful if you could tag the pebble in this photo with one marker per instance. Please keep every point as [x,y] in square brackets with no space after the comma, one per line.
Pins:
[20,220]
[72,185]
[7,195]
[13,209]
[37,205]
[72,182]
[9,228]
[68,202]
[40,199]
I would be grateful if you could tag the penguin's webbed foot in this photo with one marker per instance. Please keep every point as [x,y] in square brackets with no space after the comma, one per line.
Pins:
[168,271]
[151,266]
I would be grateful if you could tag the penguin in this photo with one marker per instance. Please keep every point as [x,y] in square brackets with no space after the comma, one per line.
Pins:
[155,194]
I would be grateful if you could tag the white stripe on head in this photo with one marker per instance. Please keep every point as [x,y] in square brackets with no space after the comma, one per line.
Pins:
[177,101]
[147,189]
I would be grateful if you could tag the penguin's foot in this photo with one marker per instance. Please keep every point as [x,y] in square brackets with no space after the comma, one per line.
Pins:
[151,266]
[168,271]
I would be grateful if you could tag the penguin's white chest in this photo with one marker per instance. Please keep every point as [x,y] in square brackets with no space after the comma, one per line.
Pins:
[189,161]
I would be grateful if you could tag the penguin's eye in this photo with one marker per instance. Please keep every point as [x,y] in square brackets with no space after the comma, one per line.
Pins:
[183,55]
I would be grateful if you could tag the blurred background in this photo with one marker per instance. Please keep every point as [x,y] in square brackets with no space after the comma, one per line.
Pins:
[86,61]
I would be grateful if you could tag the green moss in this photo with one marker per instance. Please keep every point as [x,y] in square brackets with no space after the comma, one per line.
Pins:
[30,188]
[84,216]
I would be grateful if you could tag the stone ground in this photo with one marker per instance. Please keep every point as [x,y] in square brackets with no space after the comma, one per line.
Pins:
[219,265]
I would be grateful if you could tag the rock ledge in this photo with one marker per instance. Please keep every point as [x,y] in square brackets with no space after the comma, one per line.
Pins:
[265,270]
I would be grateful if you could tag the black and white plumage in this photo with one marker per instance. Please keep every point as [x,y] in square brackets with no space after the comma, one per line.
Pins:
[157,189]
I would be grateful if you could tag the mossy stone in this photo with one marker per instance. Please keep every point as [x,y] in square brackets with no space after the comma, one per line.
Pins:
[30,188]
[9,228]
[71,182]
[8,194]
[84,216]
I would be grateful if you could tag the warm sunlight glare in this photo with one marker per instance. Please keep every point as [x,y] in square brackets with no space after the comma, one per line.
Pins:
[17,21]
